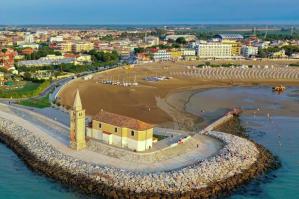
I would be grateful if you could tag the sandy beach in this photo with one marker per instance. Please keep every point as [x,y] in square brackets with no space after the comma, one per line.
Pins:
[162,102]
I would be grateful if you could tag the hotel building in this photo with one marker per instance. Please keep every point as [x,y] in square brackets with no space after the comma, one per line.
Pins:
[214,50]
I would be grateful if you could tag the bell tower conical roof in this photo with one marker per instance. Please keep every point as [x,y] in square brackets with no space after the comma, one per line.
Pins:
[77,102]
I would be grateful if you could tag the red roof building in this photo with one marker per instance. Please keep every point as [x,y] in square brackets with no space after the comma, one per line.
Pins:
[27,51]
[7,58]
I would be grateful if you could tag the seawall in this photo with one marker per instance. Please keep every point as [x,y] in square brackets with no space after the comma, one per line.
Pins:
[238,162]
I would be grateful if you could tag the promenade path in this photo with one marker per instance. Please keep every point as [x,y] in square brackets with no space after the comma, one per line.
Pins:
[56,134]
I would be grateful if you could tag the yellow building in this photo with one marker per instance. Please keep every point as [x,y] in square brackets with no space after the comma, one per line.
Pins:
[77,125]
[83,47]
[1,78]
[65,47]
[121,131]
[236,47]
[279,54]
[214,50]
[176,55]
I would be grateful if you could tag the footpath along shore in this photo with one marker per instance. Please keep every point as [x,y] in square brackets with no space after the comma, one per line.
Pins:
[236,163]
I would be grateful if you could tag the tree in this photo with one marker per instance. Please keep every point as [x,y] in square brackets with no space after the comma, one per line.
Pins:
[175,45]
[181,40]
[262,53]
[139,50]
[3,70]
[291,50]
[27,76]
[207,63]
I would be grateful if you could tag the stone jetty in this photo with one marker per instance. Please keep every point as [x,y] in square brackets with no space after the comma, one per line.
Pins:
[235,164]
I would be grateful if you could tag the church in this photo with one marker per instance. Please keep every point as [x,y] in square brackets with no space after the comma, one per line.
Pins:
[110,128]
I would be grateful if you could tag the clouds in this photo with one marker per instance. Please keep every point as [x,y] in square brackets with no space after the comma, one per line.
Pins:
[147,11]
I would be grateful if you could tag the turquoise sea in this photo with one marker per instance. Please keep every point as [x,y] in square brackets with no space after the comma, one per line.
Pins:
[279,133]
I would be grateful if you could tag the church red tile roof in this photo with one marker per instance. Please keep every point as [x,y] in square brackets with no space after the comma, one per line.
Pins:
[122,121]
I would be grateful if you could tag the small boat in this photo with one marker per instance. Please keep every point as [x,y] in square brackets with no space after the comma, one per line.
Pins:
[279,88]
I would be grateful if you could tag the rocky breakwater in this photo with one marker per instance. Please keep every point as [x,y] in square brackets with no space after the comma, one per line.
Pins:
[205,179]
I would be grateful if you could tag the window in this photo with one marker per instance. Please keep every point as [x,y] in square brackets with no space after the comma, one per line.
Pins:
[115,130]
[132,133]
[100,125]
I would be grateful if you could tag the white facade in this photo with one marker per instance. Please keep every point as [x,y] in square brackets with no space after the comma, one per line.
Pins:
[214,50]
[188,52]
[162,55]
[56,39]
[152,41]
[29,38]
[249,51]
[29,45]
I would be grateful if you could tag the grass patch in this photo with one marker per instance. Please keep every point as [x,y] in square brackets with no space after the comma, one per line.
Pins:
[37,102]
[23,89]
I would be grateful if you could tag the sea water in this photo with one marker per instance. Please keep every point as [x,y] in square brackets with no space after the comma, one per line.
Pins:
[279,133]
[17,181]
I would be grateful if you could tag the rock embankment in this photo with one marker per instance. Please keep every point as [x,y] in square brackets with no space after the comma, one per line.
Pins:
[204,179]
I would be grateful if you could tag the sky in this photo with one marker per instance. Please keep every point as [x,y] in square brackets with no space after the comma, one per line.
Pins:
[98,12]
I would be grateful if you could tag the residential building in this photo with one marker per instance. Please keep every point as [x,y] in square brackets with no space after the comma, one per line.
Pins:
[64,47]
[28,38]
[152,41]
[82,47]
[121,131]
[47,61]
[249,51]
[236,46]
[161,55]
[279,54]
[175,54]
[7,58]
[29,45]
[56,39]
[214,50]
[143,58]
[295,56]
[188,52]
[83,59]
[27,51]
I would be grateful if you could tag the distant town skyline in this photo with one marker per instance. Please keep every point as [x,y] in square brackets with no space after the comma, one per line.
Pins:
[15,12]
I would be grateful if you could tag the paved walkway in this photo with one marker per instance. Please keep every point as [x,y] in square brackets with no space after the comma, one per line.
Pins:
[56,134]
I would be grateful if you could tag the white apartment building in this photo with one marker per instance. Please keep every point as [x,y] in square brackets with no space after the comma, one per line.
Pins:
[214,50]
[56,39]
[249,51]
[152,41]
[188,52]
[29,38]
[162,55]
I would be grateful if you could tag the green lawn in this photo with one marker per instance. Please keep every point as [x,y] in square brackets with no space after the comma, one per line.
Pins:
[37,102]
[23,89]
